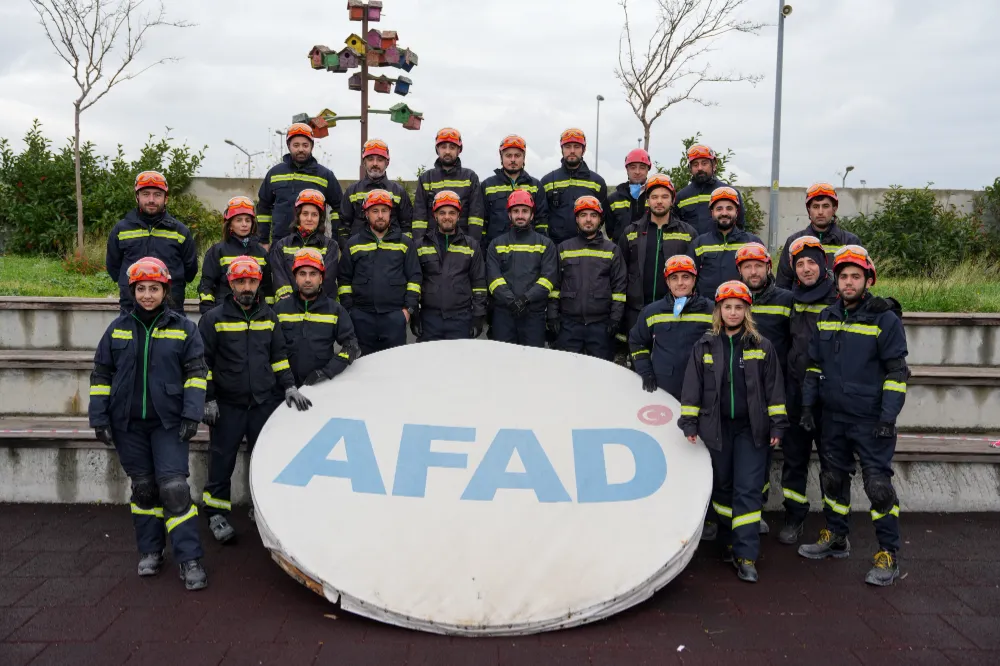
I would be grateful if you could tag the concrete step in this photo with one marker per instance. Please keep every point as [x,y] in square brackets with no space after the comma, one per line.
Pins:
[58,460]
[40,382]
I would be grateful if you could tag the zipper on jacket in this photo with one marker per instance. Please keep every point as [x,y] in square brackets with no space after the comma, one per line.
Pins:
[732,391]
[145,361]
[656,261]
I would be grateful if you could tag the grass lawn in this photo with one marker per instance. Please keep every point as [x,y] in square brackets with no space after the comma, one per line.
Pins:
[969,288]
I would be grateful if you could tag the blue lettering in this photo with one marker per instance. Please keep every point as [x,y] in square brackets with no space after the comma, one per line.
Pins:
[591,468]
[415,456]
[360,466]
[538,474]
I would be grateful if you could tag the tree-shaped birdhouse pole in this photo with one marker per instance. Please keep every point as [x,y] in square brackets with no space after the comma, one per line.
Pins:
[366,50]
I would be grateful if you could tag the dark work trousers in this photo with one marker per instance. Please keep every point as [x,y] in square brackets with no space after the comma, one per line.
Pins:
[765,491]
[841,441]
[234,423]
[527,330]
[797,446]
[379,331]
[589,339]
[737,471]
[436,327]
[150,454]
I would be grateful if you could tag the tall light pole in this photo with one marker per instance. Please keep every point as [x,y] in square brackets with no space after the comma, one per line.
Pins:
[772,213]
[597,142]
[247,153]
[843,181]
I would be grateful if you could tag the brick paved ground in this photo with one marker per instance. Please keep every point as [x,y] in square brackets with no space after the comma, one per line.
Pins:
[69,595]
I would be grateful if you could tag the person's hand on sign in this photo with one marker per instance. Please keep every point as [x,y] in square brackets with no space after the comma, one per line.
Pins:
[693,439]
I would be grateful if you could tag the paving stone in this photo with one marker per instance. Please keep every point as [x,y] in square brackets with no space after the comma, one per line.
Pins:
[69,592]
[982,600]
[58,564]
[984,632]
[831,655]
[74,654]
[925,601]
[523,653]
[66,623]
[19,654]
[916,631]
[12,618]
[270,654]
[818,630]
[902,657]
[458,652]
[12,589]
[156,625]
[12,559]
[172,654]
[252,625]
[973,657]
[358,654]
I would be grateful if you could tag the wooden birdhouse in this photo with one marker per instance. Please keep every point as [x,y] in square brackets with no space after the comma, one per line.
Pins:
[389,38]
[329,116]
[356,43]
[374,39]
[391,56]
[403,85]
[318,123]
[317,54]
[354,83]
[331,60]
[383,61]
[300,118]
[414,121]
[374,57]
[348,58]
[375,10]
[399,113]
[356,10]
[383,85]
[411,57]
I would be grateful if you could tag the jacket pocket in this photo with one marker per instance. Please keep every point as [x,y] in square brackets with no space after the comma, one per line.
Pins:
[173,389]
[863,390]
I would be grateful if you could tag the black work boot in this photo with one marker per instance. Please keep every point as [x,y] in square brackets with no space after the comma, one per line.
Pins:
[885,569]
[727,555]
[791,533]
[763,528]
[710,531]
[746,570]
[829,545]
[150,563]
[221,529]
[193,575]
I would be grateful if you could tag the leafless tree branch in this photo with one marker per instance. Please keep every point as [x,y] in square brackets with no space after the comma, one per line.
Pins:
[668,70]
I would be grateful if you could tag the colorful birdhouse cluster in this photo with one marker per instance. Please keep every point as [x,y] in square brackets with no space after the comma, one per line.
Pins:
[356,44]
[383,84]
[317,54]
[354,83]
[389,39]
[403,85]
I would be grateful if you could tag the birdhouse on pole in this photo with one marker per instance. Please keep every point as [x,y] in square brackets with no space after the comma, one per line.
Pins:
[329,116]
[300,118]
[374,10]
[356,44]
[348,58]
[414,121]
[389,38]
[383,85]
[400,113]
[391,56]
[317,54]
[374,39]
[331,61]
[354,83]
[374,57]
[319,127]
[356,10]
[403,85]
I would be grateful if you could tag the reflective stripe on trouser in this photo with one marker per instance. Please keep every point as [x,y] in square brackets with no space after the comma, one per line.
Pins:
[227,434]
[796,447]
[589,339]
[377,332]
[437,327]
[841,442]
[527,330]
[737,477]
[148,449]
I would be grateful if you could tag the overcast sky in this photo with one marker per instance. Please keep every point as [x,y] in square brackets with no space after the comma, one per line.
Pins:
[904,90]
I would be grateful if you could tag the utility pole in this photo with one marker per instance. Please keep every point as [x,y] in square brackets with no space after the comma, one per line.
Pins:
[772,212]
[597,132]
[247,153]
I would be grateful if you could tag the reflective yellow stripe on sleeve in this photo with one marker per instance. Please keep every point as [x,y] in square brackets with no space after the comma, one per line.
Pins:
[497,283]
[774,410]
[413,286]
[690,410]
[100,389]
[889,385]
[121,334]
[640,352]
[545,283]
[345,289]
[618,297]
[476,221]
[280,365]
[207,297]
[196,382]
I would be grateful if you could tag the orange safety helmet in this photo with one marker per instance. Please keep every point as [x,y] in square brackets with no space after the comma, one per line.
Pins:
[153,179]
[679,263]
[375,147]
[299,129]
[513,141]
[800,244]
[314,197]
[724,193]
[753,252]
[700,152]
[448,135]
[661,180]
[308,256]
[148,269]
[638,156]
[821,190]
[447,198]
[377,198]
[239,206]
[573,135]
[733,289]
[244,267]
[520,198]
[587,202]
[856,255]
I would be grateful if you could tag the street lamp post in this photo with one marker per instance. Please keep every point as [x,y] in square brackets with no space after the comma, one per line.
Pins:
[772,213]
[597,142]
[847,170]
[247,153]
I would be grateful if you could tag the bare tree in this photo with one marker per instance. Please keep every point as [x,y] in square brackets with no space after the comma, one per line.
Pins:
[86,33]
[671,68]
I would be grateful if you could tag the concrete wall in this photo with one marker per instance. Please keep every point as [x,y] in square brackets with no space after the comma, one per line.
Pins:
[215,192]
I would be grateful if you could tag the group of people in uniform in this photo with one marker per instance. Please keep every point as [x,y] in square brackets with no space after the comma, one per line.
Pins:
[670,280]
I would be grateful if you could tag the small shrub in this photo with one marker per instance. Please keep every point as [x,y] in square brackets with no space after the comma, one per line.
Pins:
[91,260]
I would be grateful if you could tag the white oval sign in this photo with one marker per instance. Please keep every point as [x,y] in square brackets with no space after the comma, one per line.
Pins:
[480,488]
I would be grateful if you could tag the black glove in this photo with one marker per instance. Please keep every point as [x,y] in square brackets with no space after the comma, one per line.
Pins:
[885,430]
[478,324]
[315,377]
[649,383]
[211,413]
[613,327]
[189,429]
[808,421]
[103,434]
[352,350]
[519,307]
[554,326]
[292,396]
[416,326]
